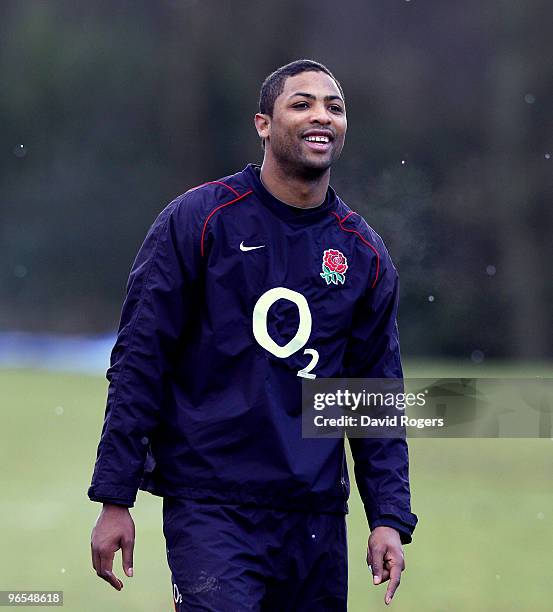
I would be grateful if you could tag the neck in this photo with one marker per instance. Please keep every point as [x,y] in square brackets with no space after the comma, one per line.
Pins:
[291,186]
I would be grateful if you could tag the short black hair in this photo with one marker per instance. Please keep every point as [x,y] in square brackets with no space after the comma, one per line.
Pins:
[273,85]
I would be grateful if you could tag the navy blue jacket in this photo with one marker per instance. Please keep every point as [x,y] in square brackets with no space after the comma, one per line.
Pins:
[204,400]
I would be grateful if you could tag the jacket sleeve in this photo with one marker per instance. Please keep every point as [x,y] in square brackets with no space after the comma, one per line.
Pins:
[152,322]
[381,465]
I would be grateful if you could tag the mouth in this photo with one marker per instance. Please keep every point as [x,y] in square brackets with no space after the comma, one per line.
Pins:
[318,141]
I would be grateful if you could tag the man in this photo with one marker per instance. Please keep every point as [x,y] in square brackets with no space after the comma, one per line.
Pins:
[242,287]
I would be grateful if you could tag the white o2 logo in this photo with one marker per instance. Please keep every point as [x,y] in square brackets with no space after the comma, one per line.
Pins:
[261,333]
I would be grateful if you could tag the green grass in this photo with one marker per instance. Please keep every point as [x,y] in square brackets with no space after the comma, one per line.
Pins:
[484,541]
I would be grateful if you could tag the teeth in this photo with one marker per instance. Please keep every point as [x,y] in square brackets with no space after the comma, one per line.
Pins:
[317,138]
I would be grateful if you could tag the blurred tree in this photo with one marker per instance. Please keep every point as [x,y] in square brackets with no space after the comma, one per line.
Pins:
[121,107]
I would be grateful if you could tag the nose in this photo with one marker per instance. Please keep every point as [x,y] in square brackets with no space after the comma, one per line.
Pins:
[320,114]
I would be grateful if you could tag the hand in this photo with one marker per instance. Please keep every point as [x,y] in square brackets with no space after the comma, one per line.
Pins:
[385,557]
[113,530]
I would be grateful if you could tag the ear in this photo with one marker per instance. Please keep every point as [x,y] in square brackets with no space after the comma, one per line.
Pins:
[262,125]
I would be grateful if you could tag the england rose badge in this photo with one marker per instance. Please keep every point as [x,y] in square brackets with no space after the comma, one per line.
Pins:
[335,265]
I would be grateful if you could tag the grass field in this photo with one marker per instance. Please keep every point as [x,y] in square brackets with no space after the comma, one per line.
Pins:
[484,541]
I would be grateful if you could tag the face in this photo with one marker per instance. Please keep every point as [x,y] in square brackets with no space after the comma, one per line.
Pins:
[307,130]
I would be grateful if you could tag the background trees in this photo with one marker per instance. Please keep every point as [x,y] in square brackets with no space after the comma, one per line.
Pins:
[122,106]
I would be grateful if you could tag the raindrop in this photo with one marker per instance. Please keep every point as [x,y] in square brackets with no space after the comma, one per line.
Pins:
[403,161]
[430,298]
[20,150]
[145,440]
[541,516]
[58,410]
[547,156]
[19,271]
[497,577]
[312,536]
[491,270]
[63,570]
[477,356]
[529,98]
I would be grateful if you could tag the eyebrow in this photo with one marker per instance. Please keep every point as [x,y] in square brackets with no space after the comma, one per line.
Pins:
[312,97]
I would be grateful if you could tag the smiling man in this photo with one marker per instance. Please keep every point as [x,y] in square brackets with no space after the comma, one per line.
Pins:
[243,286]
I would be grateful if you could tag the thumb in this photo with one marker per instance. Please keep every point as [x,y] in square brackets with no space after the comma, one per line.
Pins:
[377,568]
[127,547]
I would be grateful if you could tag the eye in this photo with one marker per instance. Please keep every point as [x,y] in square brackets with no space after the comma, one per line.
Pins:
[335,108]
[300,105]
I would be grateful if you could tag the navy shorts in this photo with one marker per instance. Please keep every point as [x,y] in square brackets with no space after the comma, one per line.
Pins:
[234,558]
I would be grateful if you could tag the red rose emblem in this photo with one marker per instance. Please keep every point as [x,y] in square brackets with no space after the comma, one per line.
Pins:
[334,267]
[335,261]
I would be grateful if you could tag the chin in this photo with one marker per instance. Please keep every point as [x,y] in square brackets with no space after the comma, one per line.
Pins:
[317,165]
[304,165]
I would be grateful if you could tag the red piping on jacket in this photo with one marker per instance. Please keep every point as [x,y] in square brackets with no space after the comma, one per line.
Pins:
[240,197]
[345,229]
[348,215]
[215,183]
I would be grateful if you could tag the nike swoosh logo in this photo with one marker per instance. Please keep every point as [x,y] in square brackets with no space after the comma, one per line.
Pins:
[250,248]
